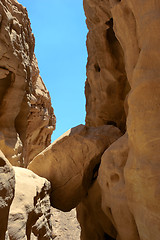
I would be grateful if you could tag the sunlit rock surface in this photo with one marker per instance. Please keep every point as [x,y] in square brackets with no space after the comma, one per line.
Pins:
[30,212]
[109,169]
[71,162]
[26,115]
[123,74]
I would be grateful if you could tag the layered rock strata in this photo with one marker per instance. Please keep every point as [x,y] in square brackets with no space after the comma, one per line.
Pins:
[26,115]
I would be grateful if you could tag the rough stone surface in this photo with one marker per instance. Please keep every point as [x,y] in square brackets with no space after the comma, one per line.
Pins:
[30,212]
[70,163]
[26,115]
[113,179]
[93,221]
[112,183]
[123,54]
[65,225]
[106,85]
[7,187]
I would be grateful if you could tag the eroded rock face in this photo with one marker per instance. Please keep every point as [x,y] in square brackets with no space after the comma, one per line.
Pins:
[71,162]
[106,85]
[113,189]
[95,224]
[7,187]
[26,115]
[123,40]
[30,212]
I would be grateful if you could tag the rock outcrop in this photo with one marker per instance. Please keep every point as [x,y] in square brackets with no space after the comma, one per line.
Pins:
[123,83]
[114,200]
[26,115]
[26,124]
[71,163]
[7,188]
[109,169]
[95,224]
[30,212]
[106,85]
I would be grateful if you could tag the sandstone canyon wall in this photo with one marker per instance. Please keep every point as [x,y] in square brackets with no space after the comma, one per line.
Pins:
[123,83]
[26,115]
[26,124]
[108,169]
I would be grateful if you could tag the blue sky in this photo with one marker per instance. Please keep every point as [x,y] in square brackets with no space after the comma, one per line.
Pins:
[60,32]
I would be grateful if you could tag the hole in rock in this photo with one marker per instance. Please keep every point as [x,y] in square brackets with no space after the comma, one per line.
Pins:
[97,67]
[110,23]
[114,177]
[2,162]
[112,123]
[107,237]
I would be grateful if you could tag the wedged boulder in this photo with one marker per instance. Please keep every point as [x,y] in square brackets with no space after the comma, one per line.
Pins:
[30,215]
[70,163]
[112,184]
[94,223]
[7,186]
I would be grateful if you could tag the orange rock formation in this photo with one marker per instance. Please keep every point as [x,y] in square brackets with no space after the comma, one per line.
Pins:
[109,169]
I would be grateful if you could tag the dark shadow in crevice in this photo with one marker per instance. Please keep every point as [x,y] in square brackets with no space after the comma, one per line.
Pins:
[121,86]
[107,237]
[97,67]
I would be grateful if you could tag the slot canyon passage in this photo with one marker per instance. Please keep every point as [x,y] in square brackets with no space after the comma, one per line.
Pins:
[109,168]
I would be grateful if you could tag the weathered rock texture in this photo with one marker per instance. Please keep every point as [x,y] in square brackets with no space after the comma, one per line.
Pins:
[30,212]
[94,223]
[71,163]
[106,84]
[26,115]
[7,187]
[26,125]
[123,54]
[65,225]
[113,180]
[112,183]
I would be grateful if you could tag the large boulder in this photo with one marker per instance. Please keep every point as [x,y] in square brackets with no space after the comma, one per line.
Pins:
[30,212]
[7,187]
[71,162]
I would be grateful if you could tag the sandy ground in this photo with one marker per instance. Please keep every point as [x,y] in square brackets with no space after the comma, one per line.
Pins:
[65,225]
